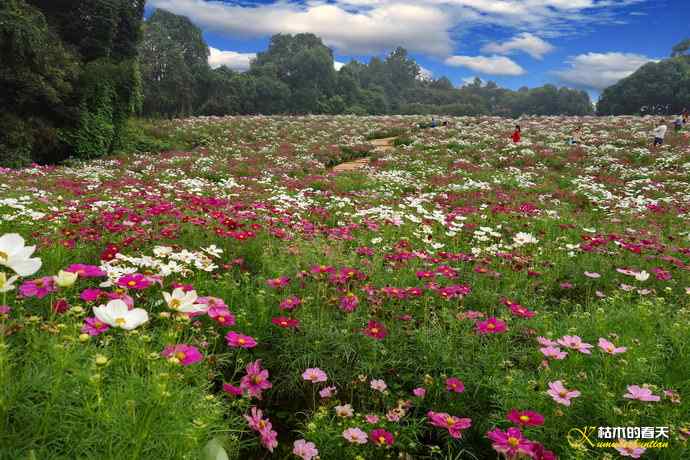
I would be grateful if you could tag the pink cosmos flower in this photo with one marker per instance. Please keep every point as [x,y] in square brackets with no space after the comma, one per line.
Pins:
[546,342]
[375,330]
[256,380]
[372,418]
[561,394]
[672,395]
[236,340]
[221,315]
[540,453]
[278,283]
[269,438]
[518,310]
[92,295]
[210,302]
[511,443]
[60,306]
[593,275]
[381,437]
[574,342]
[5,309]
[314,375]
[349,303]
[641,394]
[255,420]
[305,450]
[93,326]
[453,424]
[455,385]
[629,449]
[232,390]
[470,314]
[285,322]
[290,303]
[378,385]
[327,392]
[610,348]
[134,281]
[86,271]
[38,288]
[355,436]
[491,326]
[553,352]
[344,411]
[419,392]
[525,418]
[185,354]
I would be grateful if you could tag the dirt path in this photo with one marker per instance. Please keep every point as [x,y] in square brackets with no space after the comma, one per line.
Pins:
[380,145]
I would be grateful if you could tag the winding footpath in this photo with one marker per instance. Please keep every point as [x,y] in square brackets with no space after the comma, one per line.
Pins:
[380,145]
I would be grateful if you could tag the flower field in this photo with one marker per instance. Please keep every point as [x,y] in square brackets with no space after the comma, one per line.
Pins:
[460,297]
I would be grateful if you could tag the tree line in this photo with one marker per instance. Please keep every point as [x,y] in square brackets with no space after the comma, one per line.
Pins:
[74,71]
[296,75]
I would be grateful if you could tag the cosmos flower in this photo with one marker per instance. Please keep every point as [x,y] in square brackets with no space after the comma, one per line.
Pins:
[491,326]
[454,385]
[511,442]
[629,448]
[285,322]
[553,352]
[134,281]
[305,450]
[221,315]
[610,348]
[574,342]
[184,302]
[525,418]
[453,424]
[86,271]
[381,437]
[93,326]
[375,330]
[256,380]
[561,394]
[116,313]
[236,340]
[314,375]
[183,354]
[39,288]
[344,411]
[16,256]
[641,394]
[355,436]
[378,385]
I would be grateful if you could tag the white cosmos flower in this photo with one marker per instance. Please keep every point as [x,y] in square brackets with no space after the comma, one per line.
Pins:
[116,314]
[642,276]
[183,301]
[65,279]
[6,285]
[15,255]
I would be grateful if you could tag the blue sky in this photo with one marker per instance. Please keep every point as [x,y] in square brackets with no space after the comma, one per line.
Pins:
[588,44]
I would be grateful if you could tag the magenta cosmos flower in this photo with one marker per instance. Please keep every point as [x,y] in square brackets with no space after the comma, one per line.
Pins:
[609,347]
[453,424]
[381,437]
[314,375]
[290,303]
[491,326]
[511,443]
[185,354]
[86,271]
[134,281]
[256,380]
[236,340]
[285,322]
[641,394]
[455,385]
[561,394]
[305,450]
[525,417]
[375,330]
[221,315]
[38,288]
[93,326]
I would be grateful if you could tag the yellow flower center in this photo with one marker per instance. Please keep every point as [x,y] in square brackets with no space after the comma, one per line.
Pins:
[120,322]
[241,341]
[374,330]
[563,393]
[491,326]
[450,421]
[513,441]
[3,256]
[524,418]
[180,355]
[174,303]
[131,283]
[221,319]
[257,379]
[382,439]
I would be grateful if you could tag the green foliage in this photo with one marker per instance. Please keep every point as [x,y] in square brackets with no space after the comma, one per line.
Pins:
[656,87]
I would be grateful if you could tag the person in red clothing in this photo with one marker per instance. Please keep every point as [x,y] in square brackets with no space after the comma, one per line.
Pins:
[516,134]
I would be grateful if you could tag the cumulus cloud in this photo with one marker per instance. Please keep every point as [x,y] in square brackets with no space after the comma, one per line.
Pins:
[232,59]
[362,27]
[525,42]
[597,71]
[491,65]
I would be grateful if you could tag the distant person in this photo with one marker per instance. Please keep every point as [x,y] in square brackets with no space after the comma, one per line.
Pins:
[659,134]
[433,122]
[575,136]
[686,116]
[678,123]
[517,134]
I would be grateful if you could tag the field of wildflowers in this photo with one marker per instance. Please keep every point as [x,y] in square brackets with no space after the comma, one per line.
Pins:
[461,297]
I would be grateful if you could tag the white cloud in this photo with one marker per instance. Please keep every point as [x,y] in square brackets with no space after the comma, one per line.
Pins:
[338,65]
[425,74]
[597,71]
[526,42]
[362,27]
[232,59]
[492,65]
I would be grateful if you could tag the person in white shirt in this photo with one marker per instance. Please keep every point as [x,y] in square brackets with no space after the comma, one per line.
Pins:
[659,134]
